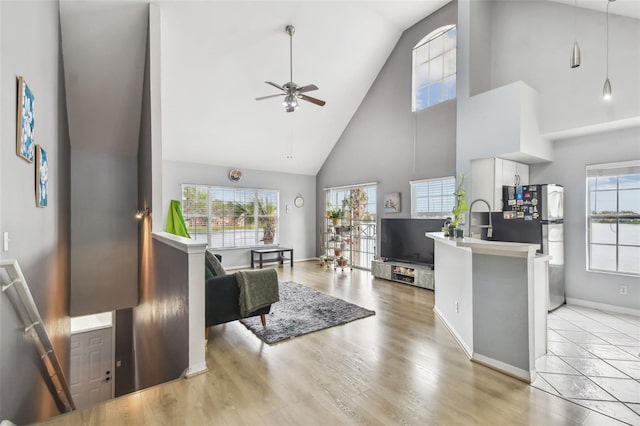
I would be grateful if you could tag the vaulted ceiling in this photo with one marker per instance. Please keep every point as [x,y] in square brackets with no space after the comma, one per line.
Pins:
[216,56]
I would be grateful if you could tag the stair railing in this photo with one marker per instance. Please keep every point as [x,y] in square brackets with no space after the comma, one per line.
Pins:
[27,310]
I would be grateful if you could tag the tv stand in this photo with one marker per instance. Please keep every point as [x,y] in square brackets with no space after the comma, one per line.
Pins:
[401,272]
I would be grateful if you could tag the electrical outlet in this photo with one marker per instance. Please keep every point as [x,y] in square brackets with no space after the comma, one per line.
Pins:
[457,308]
[623,290]
[462,219]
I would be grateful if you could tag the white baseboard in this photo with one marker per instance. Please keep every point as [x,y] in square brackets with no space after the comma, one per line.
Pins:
[502,367]
[196,369]
[457,338]
[603,306]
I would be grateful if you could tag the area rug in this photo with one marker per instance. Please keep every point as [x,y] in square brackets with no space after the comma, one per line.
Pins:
[302,310]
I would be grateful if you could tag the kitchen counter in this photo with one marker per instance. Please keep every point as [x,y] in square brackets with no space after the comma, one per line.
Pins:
[492,296]
[501,248]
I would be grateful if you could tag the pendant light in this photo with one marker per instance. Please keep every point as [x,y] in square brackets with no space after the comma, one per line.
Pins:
[574,61]
[606,90]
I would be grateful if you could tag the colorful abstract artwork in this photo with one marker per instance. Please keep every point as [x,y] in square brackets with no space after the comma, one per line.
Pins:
[26,120]
[42,177]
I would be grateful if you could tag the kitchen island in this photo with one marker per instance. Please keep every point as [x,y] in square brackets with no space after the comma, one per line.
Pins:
[493,297]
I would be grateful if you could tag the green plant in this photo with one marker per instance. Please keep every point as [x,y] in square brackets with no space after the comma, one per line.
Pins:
[461,203]
[335,213]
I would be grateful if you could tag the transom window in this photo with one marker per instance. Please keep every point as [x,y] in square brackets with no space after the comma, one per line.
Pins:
[434,68]
[433,198]
[230,217]
[613,217]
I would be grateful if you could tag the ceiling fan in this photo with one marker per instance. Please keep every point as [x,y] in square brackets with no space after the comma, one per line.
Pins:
[291,91]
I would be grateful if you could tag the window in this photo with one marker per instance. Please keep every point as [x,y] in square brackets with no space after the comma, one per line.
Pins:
[613,217]
[360,200]
[434,68]
[433,198]
[230,217]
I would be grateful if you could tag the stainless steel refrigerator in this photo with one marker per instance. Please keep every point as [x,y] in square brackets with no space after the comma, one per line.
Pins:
[534,214]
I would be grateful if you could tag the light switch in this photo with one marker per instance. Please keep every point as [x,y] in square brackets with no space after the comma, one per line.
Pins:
[5,240]
[288,208]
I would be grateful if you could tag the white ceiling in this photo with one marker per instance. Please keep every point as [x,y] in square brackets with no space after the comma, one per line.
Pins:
[216,56]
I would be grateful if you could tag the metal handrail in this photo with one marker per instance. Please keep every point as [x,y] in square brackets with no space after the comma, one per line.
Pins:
[33,325]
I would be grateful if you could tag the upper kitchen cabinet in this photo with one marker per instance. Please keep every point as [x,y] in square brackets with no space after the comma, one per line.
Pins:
[488,175]
[502,122]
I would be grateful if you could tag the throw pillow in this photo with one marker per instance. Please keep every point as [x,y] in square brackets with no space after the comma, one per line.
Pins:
[213,264]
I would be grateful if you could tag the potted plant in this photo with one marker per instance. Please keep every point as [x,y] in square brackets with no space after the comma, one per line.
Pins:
[459,207]
[335,214]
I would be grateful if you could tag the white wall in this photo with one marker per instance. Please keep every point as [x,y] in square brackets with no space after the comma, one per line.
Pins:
[568,169]
[531,41]
[296,228]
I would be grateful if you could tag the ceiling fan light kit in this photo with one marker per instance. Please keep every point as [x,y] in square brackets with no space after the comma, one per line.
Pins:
[291,91]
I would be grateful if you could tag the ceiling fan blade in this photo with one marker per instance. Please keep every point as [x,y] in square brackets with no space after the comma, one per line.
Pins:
[312,100]
[270,96]
[275,85]
[307,88]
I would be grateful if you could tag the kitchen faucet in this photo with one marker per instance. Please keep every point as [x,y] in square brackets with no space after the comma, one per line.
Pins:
[489,226]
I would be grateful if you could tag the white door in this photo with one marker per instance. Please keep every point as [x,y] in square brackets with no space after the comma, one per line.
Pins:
[91,374]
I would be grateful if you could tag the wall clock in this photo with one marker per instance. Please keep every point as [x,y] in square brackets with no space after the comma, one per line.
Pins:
[235,175]
[298,201]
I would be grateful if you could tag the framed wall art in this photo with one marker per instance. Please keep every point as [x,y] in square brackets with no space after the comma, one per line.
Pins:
[26,121]
[42,177]
[392,202]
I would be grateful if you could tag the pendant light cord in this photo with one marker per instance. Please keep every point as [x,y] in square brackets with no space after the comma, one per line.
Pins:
[575,19]
[608,3]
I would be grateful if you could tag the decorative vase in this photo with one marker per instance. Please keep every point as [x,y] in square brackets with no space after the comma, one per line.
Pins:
[337,252]
[459,233]
[336,221]
[452,232]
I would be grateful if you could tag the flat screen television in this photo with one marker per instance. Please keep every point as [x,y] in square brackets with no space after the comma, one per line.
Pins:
[403,240]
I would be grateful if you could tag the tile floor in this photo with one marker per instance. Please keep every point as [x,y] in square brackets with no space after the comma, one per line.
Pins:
[593,359]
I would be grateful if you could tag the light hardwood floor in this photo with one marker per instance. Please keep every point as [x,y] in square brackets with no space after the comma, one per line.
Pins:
[398,367]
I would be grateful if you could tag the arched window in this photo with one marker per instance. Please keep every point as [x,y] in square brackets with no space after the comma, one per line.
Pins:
[434,68]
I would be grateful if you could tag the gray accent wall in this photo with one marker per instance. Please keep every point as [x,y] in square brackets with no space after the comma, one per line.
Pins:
[531,41]
[568,169]
[160,321]
[104,54]
[500,328]
[297,225]
[104,241]
[39,237]
[387,143]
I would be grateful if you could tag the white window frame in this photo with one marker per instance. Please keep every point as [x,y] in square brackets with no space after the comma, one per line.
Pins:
[608,169]
[444,214]
[236,198]
[424,44]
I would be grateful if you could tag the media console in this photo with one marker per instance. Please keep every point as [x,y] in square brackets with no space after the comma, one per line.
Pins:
[406,273]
